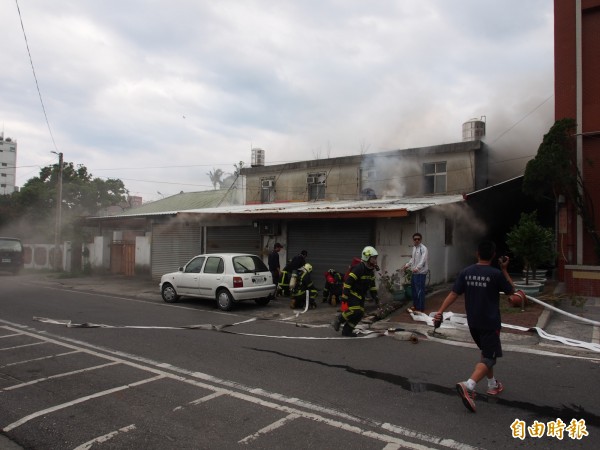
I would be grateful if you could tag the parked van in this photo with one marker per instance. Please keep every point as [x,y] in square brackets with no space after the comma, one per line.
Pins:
[11,255]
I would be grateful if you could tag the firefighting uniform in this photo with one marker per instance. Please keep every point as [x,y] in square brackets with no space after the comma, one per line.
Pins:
[359,282]
[304,284]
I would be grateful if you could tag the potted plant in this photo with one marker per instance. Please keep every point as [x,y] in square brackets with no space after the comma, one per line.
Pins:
[533,243]
[392,283]
[406,281]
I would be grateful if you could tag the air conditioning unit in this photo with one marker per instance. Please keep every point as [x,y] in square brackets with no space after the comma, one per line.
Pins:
[267,183]
[311,180]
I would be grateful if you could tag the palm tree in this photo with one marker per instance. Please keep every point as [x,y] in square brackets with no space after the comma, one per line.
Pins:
[215,176]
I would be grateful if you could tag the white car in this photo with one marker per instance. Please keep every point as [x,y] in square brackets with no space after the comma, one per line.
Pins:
[225,277]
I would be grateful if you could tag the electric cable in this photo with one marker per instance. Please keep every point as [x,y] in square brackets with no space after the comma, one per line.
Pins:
[35,77]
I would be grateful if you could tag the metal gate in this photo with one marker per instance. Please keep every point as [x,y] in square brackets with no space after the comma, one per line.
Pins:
[236,239]
[174,244]
[331,244]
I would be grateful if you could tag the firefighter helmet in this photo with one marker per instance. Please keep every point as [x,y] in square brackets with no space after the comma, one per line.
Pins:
[367,252]
[308,267]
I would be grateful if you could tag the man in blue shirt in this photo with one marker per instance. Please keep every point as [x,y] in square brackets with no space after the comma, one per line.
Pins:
[481,284]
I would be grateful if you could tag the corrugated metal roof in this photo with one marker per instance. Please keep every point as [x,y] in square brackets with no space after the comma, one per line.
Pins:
[365,208]
[409,204]
[493,186]
[181,202]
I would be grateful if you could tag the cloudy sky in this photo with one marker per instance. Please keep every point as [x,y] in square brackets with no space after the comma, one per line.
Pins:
[158,93]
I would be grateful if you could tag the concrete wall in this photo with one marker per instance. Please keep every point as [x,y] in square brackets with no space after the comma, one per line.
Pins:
[38,256]
[388,174]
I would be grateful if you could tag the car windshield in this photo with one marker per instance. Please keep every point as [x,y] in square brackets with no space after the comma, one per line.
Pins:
[248,264]
[10,245]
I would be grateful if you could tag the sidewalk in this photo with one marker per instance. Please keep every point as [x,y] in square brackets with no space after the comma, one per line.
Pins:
[534,315]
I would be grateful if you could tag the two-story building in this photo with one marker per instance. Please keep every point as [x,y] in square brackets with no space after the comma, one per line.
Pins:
[437,170]
[332,208]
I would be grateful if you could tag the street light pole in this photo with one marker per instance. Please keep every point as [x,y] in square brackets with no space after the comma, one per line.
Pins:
[57,263]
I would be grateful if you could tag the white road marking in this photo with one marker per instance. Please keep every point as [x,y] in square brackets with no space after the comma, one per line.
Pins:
[240,395]
[200,400]
[440,441]
[60,375]
[21,346]
[104,438]
[10,335]
[269,428]
[40,358]
[42,412]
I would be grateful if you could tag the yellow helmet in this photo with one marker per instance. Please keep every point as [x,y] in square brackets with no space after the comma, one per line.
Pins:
[367,252]
[308,267]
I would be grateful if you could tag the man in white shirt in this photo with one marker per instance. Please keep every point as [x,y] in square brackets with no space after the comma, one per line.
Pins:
[419,266]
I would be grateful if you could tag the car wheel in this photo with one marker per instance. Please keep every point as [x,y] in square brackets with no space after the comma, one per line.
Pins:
[262,301]
[224,300]
[169,294]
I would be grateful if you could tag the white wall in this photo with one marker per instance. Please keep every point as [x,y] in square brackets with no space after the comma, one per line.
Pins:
[100,255]
[142,252]
[394,242]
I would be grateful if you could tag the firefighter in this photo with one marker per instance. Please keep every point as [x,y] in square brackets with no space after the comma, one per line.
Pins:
[333,287]
[359,282]
[303,284]
[290,272]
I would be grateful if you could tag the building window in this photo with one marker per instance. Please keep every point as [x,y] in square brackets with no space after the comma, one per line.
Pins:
[267,190]
[435,178]
[4,164]
[315,185]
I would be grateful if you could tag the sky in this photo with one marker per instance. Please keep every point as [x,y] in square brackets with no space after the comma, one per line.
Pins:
[158,93]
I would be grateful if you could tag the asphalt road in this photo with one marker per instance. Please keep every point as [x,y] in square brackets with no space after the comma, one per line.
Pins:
[146,379]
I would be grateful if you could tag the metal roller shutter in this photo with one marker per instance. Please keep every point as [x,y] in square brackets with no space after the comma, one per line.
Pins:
[174,244]
[331,244]
[238,239]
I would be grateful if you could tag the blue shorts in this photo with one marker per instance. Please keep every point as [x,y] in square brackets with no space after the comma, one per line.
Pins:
[488,342]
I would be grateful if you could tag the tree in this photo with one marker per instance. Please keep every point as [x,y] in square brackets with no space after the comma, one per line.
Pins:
[532,242]
[33,208]
[554,172]
[216,176]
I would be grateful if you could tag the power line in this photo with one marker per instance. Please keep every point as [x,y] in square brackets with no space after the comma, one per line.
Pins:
[522,119]
[35,77]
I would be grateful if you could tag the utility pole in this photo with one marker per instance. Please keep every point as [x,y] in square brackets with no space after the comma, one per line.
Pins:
[57,258]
